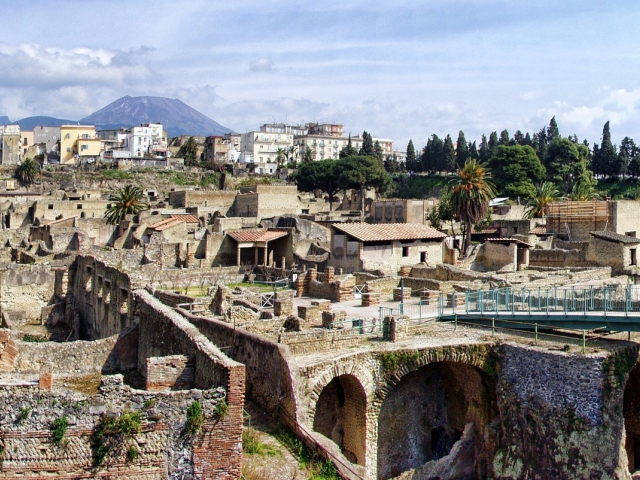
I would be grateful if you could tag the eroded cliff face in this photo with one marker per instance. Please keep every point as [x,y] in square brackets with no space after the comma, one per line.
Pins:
[559,415]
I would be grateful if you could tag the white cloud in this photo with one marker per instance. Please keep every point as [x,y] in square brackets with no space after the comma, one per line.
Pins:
[30,65]
[264,64]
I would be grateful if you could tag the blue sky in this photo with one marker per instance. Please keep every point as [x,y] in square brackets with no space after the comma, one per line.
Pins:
[398,69]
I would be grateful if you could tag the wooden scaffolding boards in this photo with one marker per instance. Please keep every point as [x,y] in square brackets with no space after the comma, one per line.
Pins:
[561,214]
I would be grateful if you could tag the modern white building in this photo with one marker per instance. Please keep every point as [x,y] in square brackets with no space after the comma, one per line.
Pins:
[262,147]
[145,140]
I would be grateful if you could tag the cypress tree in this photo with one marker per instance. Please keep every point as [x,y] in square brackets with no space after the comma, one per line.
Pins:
[367,145]
[411,157]
[552,130]
[377,150]
[462,149]
[449,155]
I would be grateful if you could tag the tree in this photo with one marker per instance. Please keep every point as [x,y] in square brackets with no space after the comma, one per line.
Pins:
[567,164]
[362,172]
[281,155]
[626,153]
[26,172]
[307,155]
[377,151]
[367,145]
[128,200]
[448,155]
[472,190]
[392,165]
[484,152]
[553,131]
[504,138]
[411,157]
[546,193]
[321,175]
[348,150]
[189,151]
[432,155]
[516,169]
[605,158]
[292,155]
[462,150]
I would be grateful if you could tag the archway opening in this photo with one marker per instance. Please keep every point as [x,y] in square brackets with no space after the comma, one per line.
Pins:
[631,412]
[425,414]
[341,416]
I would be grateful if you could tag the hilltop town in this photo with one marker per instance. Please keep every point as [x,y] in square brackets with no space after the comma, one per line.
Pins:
[158,295]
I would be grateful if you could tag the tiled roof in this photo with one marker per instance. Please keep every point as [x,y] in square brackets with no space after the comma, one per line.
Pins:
[485,231]
[540,230]
[166,223]
[615,237]
[381,232]
[247,236]
[186,218]
[508,240]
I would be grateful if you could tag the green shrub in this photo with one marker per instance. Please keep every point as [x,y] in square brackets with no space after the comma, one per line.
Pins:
[24,413]
[59,429]
[251,445]
[127,424]
[150,403]
[132,454]
[222,409]
[195,418]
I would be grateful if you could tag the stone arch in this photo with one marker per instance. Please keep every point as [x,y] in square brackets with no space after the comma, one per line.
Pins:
[424,406]
[340,415]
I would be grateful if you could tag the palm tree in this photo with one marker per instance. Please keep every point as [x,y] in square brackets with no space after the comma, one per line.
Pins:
[26,172]
[128,200]
[546,193]
[472,190]
[293,154]
[307,155]
[281,156]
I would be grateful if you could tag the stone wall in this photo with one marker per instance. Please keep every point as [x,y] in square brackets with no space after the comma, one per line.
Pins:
[223,200]
[496,256]
[163,451]
[26,289]
[384,286]
[559,257]
[269,366]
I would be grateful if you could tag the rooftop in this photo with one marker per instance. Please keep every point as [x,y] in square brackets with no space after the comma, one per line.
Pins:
[243,236]
[389,231]
[615,237]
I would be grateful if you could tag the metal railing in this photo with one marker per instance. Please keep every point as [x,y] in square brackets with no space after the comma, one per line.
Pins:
[586,300]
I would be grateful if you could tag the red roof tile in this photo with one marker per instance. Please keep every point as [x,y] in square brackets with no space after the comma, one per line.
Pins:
[382,232]
[509,240]
[541,230]
[247,236]
[186,218]
[166,223]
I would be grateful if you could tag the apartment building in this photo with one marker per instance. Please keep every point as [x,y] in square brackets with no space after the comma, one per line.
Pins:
[284,128]
[79,143]
[262,147]
[145,140]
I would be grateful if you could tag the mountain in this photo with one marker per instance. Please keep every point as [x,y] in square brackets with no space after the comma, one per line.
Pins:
[29,123]
[4,120]
[177,117]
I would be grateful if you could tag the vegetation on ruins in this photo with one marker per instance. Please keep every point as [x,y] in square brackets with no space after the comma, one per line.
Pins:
[132,454]
[251,444]
[195,418]
[392,360]
[222,409]
[59,429]
[23,414]
[128,200]
[189,151]
[309,460]
[472,190]
[26,172]
[126,425]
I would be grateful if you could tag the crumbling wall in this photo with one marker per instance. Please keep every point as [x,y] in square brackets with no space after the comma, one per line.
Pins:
[26,289]
[162,448]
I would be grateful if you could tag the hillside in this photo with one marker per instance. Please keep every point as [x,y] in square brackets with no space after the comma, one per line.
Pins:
[29,123]
[177,117]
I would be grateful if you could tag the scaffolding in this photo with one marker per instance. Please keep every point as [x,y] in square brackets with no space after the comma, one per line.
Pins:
[561,215]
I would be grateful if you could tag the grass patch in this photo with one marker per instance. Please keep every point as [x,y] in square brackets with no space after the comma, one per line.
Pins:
[318,469]
[59,429]
[392,360]
[251,445]
[262,287]
[622,189]
[195,418]
[34,338]
[149,403]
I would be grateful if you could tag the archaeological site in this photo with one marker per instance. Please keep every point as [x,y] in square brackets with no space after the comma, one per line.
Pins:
[159,346]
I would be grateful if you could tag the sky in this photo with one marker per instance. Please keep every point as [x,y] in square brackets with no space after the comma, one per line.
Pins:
[397,69]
